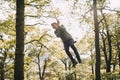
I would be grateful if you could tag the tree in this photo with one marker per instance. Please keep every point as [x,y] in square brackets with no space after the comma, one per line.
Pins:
[96,25]
[2,64]
[109,44]
[41,72]
[19,51]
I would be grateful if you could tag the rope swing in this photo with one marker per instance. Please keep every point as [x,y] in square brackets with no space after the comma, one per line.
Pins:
[53,10]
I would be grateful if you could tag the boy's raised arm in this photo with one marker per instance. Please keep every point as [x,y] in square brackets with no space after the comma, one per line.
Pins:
[58,22]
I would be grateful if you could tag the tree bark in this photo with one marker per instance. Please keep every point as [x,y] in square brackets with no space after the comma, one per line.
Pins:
[110,52]
[92,65]
[44,68]
[2,71]
[105,51]
[2,63]
[19,51]
[109,44]
[40,77]
[97,65]
[118,47]
[2,60]
[119,60]
[41,72]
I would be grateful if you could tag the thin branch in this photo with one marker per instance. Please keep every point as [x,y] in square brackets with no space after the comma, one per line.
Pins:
[38,57]
[100,20]
[84,16]
[35,24]
[36,16]
[113,10]
[37,5]
[109,9]
[44,68]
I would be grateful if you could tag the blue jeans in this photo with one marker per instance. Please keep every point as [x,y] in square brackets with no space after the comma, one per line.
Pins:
[70,43]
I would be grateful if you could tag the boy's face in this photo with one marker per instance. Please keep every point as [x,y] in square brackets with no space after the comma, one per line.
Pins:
[55,25]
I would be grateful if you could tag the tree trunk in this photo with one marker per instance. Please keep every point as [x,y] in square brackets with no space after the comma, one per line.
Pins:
[2,71]
[119,61]
[97,65]
[19,52]
[44,68]
[105,51]
[41,72]
[75,76]
[110,52]
[118,47]
[2,63]
[38,57]
[92,65]
[109,44]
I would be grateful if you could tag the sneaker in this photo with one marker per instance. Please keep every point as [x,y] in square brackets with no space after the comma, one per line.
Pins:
[74,63]
[80,61]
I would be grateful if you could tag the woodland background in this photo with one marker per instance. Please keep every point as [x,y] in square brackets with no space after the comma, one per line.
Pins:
[29,49]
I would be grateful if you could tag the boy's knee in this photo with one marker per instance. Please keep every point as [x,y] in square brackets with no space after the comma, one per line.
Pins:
[73,46]
[67,50]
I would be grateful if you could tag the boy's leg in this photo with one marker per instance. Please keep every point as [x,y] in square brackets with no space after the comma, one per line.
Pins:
[66,46]
[71,43]
[76,53]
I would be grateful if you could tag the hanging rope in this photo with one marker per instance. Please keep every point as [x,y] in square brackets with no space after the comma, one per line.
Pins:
[54,13]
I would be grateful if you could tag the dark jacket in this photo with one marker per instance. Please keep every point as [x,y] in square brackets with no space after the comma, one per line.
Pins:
[62,33]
